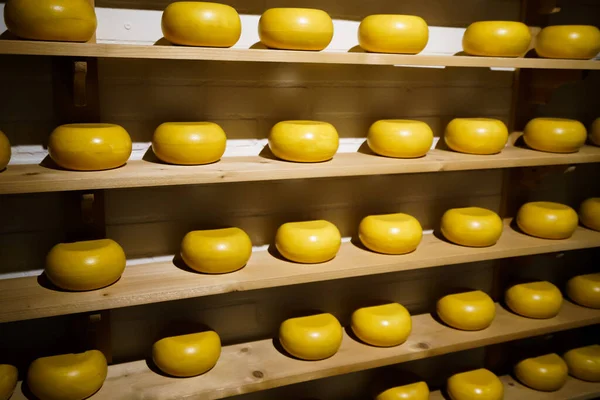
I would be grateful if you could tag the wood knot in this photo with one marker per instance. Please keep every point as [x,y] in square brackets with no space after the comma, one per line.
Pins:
[422,346]
[511,384]
[245,350]
[258,374]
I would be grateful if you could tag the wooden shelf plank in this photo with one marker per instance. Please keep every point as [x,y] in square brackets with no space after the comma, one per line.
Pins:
[36,178]
[25,298]
[574,389]
[111,50]
[254,366]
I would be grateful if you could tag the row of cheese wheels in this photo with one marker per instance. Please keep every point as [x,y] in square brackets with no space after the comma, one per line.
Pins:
[316,337]
[90,265]
[90,147]
[219,25]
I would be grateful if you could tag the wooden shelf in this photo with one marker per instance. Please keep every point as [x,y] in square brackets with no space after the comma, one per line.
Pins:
[260,55]
[574,389]
[26,298]
[37,178]
[255,366]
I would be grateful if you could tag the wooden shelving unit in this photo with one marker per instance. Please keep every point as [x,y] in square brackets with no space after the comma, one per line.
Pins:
[249,367]
[574,389]
[93,82]
[17,47]
[38,178]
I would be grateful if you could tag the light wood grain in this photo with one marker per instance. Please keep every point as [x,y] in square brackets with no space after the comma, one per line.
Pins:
[24,298]
[574,389]
[254,366]
[36,178]
[259,55]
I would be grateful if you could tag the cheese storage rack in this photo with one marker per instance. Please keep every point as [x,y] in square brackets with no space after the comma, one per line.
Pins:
[147,206]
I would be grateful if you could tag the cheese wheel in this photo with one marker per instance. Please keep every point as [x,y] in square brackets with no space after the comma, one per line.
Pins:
[390,233]
[187,355]
[8,380]
[67,376]
[5,151]
[216,251]
[315,337]
[496,39]
[555,135]
[585,290]
[189,143]
[469,311]
[89,147]
[400,138]
[295,29]
[304,141]
[384,326]
[52,20]
[196,23]
[476,135]
[308,242]
[547,220]
[568,41]
[547,373]
[86,265]
[589,213]
[534,300]
[584,363]
[414,391]
[595,132]
[479,384]
[471,226]
[390,33]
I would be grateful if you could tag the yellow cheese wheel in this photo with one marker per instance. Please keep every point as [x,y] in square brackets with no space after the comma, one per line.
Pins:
[389,33]
[308,242]
[304,141]
[86,265]
[187,355]
[8,380]
[315,337]
[390,233]
[295,29]
[400,138]
[589,213]
[414,391]
[534,300]
[479,384]
[189,143]
[471,226]
[547,220]
[5,151]
[67,376]
[216,251]
[196,23]
[555,135]
[53,20]
[584,363]
[89,147]
[547,373]
[568,41]
[386,325]
[476,135]
[496,39]
[585,290]
[469,311]
[595,132]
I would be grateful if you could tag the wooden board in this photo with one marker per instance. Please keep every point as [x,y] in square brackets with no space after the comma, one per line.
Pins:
[248,367]
[259,55]
[36,178]
[26,298]
[574,389]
